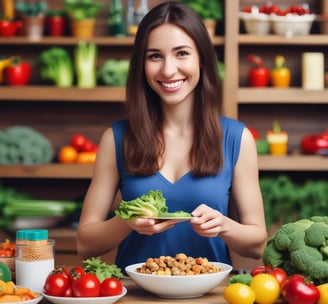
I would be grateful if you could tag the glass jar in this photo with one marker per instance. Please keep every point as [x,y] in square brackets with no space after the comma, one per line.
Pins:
[34,259]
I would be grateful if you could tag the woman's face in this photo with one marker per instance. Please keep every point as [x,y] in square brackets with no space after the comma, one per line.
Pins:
[172,64]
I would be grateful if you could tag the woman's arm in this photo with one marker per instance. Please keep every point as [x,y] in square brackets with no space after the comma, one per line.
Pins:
[247,236]
[96,235]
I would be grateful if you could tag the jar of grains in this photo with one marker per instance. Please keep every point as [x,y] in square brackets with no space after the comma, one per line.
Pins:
[34,258]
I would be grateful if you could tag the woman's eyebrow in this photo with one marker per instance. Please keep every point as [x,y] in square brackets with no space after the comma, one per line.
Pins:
[174,49]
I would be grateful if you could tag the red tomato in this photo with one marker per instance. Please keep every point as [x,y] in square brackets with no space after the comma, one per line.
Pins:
[68,292]
[254,132]
[259,77]
[56,284]
[78,141]
[280,275]
[87,285]
[76,272]
[296,290]
[18,73]
[88,146]
[111,287]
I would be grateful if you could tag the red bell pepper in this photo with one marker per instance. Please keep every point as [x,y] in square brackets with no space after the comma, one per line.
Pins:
[18,72]
[296,290]
[259,75]
[315,143]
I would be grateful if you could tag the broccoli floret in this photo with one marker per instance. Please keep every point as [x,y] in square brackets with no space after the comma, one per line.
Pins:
[316,234]
[301,247]
[271,255]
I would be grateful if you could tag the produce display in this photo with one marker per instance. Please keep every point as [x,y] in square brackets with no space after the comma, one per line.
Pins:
[24,145]
[180,264]
[81,150]
[149,205]
[95,278]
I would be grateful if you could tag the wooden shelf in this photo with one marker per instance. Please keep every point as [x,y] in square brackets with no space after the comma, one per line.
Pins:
[317,39]
[75,171]
[61,171]
[69,40]
[293,163]
[274,95]
[52,93]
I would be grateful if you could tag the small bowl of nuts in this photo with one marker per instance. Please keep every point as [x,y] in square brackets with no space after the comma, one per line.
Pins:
[178,277]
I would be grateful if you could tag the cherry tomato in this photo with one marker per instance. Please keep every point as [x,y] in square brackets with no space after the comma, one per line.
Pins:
[68,292]
[56,284]
[87,285]
[239,293]
[67,155]
[266,288]
[18,72]
[111,287]
[296,290]
[78,141]
[88,146]
[76,272]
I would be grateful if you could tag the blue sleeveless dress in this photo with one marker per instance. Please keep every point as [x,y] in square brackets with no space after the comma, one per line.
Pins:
[185,194]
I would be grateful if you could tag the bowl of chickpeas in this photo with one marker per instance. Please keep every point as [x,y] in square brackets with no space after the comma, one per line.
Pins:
[180,276]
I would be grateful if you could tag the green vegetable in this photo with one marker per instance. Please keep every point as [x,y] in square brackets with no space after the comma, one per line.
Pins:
[114,72]
[244,278]
[301,247]
[24,145]
[35,8]
[85,57]
[102,269]
[57,65]
[82,9]
[151,204]
[5,273]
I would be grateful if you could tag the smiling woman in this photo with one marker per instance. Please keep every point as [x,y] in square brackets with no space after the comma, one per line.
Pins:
[174,140]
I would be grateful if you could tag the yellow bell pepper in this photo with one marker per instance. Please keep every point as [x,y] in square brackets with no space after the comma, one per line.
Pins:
[323,289]
[280,74]
[277,140]
[5,61]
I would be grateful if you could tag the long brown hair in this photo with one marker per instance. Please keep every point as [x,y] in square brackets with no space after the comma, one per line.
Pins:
[143,140]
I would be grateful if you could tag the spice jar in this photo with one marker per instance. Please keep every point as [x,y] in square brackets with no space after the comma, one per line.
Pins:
[34,259]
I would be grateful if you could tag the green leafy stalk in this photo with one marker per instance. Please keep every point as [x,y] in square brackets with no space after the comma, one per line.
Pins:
[57,66]
[85,57]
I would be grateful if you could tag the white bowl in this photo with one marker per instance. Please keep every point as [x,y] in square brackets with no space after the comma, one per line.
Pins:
[292,25]
[189,286]
[90,300]
[256,23]
[32,301]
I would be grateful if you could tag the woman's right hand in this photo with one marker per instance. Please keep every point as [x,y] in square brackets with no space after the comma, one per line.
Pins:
[150,226]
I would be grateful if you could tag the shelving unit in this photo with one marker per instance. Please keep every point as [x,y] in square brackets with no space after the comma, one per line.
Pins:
[66,111]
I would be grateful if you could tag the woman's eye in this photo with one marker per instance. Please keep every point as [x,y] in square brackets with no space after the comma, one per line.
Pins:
[182,53]
[154,56]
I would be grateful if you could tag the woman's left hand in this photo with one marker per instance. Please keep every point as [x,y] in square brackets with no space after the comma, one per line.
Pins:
[206,221]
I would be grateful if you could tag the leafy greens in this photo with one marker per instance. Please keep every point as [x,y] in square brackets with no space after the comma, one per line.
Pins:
[149,205]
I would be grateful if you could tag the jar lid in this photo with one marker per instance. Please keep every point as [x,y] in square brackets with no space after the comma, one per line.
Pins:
[37,235]
[21,234]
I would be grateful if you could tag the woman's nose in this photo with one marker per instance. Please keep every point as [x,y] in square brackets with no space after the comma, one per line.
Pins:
[169,68]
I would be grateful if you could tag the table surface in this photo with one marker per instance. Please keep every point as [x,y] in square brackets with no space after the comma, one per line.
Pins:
[137,295]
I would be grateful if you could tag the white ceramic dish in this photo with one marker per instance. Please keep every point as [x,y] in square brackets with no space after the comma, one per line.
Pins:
[256,23]
[33,301]
[179,286]
[91,300]
[37,222]
[292,25]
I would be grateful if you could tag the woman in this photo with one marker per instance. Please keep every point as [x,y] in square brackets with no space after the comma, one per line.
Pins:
[176,140]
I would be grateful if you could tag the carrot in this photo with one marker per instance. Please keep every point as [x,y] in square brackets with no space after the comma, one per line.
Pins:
[10,298]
